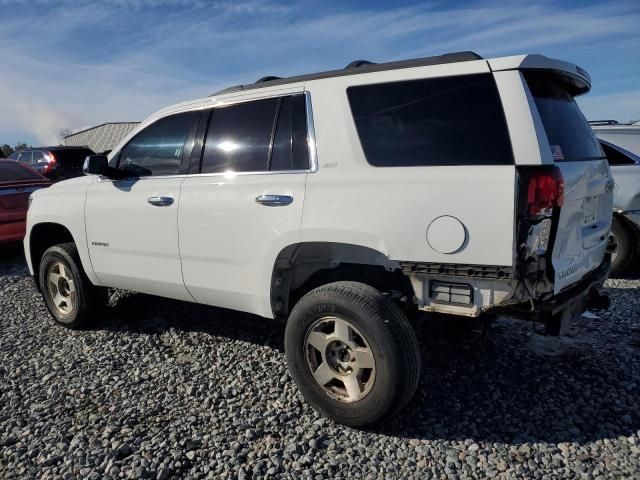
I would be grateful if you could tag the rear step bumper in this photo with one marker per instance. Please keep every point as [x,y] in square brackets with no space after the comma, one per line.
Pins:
[559,312]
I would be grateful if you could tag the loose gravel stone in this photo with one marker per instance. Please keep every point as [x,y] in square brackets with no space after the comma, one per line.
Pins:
[166,390]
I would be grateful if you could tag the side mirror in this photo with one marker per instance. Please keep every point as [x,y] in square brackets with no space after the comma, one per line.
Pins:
[96,165]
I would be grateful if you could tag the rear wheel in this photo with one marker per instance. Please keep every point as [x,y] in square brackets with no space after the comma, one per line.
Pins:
[352,353]
[623,255]
[70,296]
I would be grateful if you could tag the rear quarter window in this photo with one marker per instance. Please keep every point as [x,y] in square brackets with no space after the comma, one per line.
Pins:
[430,122]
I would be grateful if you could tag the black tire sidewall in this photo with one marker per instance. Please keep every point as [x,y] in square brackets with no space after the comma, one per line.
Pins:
[625,247]
[51,256]
[380,398]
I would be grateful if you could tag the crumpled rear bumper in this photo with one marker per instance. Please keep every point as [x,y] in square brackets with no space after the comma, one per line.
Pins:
[559,312]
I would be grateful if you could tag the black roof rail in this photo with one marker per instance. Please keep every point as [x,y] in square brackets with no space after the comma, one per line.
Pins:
[604,122]
[357,67]
[228,90]
[268,78]
[359,63]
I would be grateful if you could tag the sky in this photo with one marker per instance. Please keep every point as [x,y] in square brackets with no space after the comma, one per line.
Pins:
[71,64]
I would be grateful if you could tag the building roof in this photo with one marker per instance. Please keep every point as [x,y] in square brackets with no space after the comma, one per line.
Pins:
[98,126]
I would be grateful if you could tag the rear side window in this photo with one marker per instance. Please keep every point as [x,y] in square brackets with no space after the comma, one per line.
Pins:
[37,157]
[437,121]
[72,155]
[257,136]
[159,148]
[14,172]
[570,136]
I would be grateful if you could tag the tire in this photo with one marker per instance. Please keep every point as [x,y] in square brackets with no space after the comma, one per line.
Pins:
[376,329]
[78,298]
[626,247]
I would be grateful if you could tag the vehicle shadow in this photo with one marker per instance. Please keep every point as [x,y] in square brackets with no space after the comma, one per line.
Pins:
[515,385]
[148,314]
[505,383]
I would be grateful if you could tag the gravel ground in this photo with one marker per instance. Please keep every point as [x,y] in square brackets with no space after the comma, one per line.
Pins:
[162,389]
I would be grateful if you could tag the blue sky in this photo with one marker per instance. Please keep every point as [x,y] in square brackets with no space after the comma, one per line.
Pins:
[73,64]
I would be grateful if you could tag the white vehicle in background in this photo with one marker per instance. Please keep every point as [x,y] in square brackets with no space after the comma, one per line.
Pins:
[624,135]
[340,202]
[621,144]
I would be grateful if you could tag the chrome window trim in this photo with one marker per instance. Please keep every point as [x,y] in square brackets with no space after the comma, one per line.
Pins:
[311,145]
[229,174]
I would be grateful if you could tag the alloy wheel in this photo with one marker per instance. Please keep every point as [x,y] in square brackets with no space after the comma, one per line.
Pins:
[340,359]
[61,288]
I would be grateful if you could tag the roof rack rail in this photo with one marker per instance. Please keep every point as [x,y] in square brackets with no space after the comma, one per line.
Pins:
[228,90]
[357,67]
[359,63]
[604,122]
[268,78]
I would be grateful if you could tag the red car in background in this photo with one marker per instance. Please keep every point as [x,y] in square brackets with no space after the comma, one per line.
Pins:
[17,181]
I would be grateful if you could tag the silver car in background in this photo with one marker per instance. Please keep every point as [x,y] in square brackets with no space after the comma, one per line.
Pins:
[621,144]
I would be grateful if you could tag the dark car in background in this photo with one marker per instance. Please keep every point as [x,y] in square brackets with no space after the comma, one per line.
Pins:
[17,182]
[55,163]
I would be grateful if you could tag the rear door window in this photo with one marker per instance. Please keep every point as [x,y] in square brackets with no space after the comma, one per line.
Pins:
[569,134]
[290,148]
[437,121]
[239,137]
[257,136]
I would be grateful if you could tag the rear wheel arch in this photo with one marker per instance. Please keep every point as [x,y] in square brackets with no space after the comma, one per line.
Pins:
[301,267]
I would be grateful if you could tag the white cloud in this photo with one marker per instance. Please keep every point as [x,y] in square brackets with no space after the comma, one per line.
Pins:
[155,52]
[623,106]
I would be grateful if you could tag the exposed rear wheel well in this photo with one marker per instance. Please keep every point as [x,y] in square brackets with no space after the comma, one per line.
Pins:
[43,236]
[302,267]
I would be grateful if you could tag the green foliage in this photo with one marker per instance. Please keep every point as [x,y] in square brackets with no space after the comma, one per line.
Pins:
[6,150]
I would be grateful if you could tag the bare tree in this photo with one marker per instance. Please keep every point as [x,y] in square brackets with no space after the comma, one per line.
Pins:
[65,132]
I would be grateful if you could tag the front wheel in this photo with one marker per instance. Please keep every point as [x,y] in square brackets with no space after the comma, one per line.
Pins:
[70,296]
[352,353]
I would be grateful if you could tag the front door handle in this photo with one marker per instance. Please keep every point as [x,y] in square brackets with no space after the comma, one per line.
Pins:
[274,200]
[160,201]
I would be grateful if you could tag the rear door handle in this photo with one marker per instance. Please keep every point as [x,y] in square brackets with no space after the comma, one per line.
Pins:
[160,201]
[274,200]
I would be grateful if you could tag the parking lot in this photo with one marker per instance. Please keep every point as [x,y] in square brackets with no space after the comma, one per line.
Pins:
[162,389]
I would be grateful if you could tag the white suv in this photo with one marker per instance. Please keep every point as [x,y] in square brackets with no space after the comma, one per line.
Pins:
[342,202]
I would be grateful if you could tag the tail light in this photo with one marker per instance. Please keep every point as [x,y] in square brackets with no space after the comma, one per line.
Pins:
[51,163]
[546,191]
